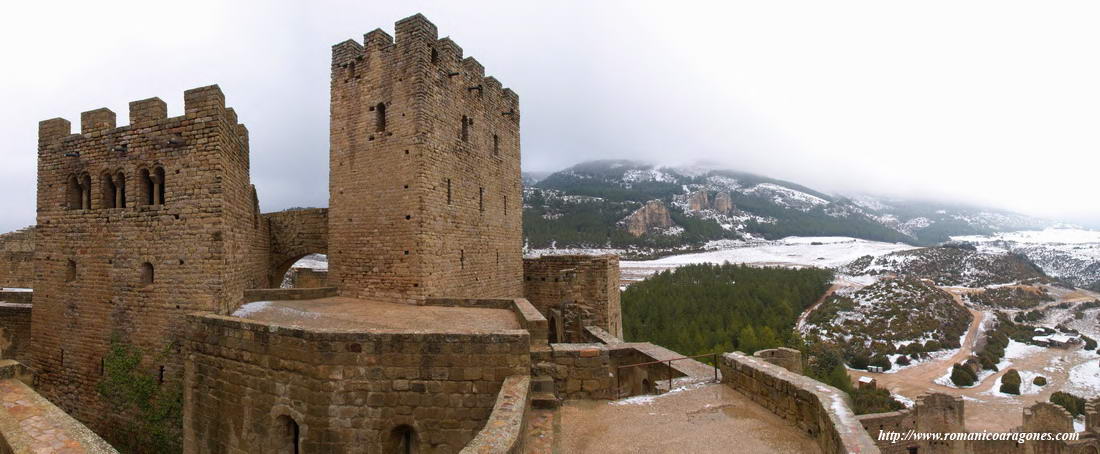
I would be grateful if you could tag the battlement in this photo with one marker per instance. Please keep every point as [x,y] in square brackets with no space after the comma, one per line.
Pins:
[201,101]
[417,37]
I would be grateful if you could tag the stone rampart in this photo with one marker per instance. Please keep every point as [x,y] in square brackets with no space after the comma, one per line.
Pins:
[287,294]
[343,391]
[504,432]
[821,411]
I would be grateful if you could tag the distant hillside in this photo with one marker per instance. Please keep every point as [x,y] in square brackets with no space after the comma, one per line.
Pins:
[585,206]
[952,266]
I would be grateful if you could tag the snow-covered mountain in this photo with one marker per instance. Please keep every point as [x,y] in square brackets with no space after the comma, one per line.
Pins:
[580,207]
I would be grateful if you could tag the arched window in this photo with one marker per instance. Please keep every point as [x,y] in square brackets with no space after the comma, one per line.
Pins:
[402,440]
[147,273]
[109,191]
[287,435]
[152,186]
[72,194]
[85,191]
[145,181]
[70,271]
[466,122]
[120,189]
[380,117]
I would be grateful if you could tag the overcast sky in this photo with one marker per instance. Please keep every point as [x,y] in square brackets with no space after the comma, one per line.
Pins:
[993,102]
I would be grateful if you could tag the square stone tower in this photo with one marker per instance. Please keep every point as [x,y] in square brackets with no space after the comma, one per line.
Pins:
[138,225]
[425,196]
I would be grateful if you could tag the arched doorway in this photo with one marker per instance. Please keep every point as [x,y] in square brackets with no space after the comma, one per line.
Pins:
[552,329]
[287,438]
[402,440]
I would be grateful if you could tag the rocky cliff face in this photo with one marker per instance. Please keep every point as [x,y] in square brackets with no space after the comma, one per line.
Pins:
[650,217]
[722,202]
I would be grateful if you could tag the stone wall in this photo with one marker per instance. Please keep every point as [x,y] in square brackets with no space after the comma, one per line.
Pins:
[137,226]
[344,391]
[17,258]
[821,411]
[31,424]
[583,371]
[504,432]
[787,358]
[307,278]
[15,331]
[575,291]
[425,196]
[295,234]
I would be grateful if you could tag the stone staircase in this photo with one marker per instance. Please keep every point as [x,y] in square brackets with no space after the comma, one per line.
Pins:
[544,394]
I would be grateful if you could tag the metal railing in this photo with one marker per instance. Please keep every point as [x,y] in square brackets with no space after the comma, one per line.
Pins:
[668,363]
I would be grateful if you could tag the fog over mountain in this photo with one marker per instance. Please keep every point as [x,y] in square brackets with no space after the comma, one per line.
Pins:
[985,102]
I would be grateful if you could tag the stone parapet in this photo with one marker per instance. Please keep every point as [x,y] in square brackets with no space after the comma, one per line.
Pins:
[504,432]
[287,294]
[31,424]
[822,411]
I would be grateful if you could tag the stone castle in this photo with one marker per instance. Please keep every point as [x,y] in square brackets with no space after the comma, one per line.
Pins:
[432,333]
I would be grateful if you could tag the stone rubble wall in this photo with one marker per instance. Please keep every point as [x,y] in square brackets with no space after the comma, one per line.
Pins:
[17,258]
[576,291]
[346,390]
[504,432]
[821,411]
[15,331]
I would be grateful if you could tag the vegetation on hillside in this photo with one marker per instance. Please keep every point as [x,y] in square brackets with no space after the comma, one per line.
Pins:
[1075,405]
[707,308]
[1011,297]
[893,316]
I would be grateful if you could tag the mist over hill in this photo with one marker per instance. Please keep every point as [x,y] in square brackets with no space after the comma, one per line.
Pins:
[603,204]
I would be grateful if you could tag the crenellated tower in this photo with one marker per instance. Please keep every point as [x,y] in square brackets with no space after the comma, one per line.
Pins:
[138,225]
[425,195]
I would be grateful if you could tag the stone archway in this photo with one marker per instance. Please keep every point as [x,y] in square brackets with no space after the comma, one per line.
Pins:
[295,234]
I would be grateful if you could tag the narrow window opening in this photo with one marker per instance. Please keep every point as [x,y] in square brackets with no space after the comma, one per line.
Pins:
[145,181]
[351,70]
[448,191]
[496,145]
[160,375]
[380,117]
[435,56]
[85,192]
[73,195]
[481,199]
[462,258]
[120,190]
[147,273]
[505,205]
[109,192]
[158,180]
[70,271]
[465,135]
[63,358]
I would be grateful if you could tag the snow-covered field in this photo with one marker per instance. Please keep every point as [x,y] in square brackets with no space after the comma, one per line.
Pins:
[790,251]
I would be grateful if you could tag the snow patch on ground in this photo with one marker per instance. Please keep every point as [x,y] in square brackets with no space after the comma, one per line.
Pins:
[317,262]
[648,399]
[15,289]
[1084,379]
[250,309]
